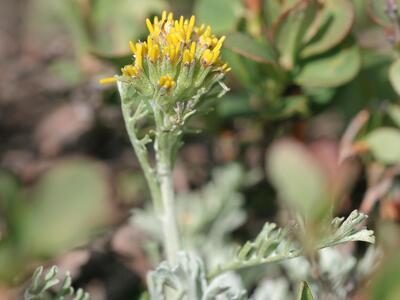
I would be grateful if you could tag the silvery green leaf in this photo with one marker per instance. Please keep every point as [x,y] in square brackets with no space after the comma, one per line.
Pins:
[187,281]
[227,286]
[273,244]
[207,216]
[273,289]
[347,230]
[43,287]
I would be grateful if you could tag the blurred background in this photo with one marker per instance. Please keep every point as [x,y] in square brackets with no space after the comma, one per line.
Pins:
[69,178]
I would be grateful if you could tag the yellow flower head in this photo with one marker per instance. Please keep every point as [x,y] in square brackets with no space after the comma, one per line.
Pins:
[177,54]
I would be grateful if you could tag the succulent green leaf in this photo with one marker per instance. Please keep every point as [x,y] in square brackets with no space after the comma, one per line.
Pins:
[394,113]
[291,29]
[386,283]
[298,178]
[377,9]
[116,60]
[273,9]
[247,46]
[222,15]
[304,292]
[331,26]
[110,33]
[72,190]
[331,69]
[384,144]
[394,76]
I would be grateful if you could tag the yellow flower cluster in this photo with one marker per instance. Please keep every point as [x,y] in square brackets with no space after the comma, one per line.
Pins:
[171,46]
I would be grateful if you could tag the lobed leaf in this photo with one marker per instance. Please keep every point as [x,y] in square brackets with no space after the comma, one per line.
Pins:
[273,244]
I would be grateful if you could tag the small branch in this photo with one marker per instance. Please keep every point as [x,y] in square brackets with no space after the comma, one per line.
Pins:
[346,144]
[238,265]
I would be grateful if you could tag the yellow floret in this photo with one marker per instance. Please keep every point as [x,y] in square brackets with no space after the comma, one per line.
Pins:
[108,80]
[166,82]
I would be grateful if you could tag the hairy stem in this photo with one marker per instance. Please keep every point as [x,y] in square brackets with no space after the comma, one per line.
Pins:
[164,147]
[141,152]
[168,217]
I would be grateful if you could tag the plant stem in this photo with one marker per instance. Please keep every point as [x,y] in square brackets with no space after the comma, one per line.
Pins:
[164,146]
[168,217]
[141,152]
[159,178]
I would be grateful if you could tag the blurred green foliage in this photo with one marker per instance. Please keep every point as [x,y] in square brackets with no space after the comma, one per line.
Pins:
[61,211]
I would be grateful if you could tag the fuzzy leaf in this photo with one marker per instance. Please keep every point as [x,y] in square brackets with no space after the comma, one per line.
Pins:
[348,230]
[273,244]
[42,287]
[187,281]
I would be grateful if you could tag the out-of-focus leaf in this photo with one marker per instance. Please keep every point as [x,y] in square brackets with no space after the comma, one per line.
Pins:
[8,190]
[377,9]
[249,47]
[69,202]
[114,59]
[287,107]
[298,178]
[291,30]
[114,24]
[131,187]
[384,144]
[222,15]
[369,87]
[332,69]
[330,28]
[48,18]
[320,95]
[68,70]
[235,105]
[394,76]
[394,113]
[386,285]
[241,67]
[272,11]
[304,292]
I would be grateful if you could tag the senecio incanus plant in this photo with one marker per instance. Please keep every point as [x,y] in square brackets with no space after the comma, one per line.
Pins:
[173,73]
